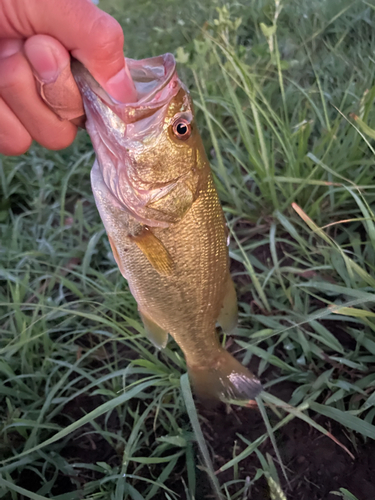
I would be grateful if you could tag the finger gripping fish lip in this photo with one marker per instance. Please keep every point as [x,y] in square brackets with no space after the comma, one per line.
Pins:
[155,79]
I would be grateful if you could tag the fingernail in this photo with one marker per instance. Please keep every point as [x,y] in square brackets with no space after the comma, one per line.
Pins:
[10,46]
[43,62]
[121,86]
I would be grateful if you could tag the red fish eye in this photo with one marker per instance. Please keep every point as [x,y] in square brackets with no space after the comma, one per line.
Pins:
[182,129]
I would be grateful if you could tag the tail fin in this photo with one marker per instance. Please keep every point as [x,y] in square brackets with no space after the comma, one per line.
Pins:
[224,378]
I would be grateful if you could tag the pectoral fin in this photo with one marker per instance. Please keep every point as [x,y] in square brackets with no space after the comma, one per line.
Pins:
[228,316]
[155,333]
[154,250]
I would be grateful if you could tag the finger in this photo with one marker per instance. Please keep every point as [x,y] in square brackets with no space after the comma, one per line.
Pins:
[18,90]
[50,62]
[91,35]
[14,138]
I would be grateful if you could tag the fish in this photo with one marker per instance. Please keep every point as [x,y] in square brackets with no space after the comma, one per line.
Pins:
[155,193]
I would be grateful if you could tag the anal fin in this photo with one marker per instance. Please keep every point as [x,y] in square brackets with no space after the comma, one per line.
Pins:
[155,333]
[154,250]
[228,316]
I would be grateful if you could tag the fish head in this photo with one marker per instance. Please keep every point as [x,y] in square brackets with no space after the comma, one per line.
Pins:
[149,152]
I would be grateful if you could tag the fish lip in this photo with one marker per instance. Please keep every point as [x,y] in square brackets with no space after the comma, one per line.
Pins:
[144,69]
[159,69]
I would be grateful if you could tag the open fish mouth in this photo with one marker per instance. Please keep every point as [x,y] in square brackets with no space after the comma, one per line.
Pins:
[129,124]
[155,80]
[150,76]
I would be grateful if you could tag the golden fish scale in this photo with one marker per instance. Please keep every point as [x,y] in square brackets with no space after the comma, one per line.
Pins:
[187,302]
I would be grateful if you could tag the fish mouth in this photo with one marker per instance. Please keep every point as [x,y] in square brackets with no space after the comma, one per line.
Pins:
[129,124]
[155,80]
[151,75]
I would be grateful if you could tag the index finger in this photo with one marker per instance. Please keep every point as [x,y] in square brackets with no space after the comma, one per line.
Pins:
[91,35]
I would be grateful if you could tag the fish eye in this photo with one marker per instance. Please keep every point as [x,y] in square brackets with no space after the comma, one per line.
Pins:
[182,129]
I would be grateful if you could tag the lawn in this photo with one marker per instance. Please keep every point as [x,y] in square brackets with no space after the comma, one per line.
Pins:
[284,96]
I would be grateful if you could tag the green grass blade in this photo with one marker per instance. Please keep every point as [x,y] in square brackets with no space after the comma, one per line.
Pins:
[193,416]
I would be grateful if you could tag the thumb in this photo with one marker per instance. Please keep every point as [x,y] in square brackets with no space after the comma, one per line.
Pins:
[50,62]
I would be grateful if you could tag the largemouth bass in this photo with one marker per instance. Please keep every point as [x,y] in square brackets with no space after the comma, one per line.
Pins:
[154,190]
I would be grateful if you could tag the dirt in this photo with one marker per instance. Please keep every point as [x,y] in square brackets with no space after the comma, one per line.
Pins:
[315,464]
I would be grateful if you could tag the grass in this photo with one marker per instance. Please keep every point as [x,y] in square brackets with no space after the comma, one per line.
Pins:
[284,96]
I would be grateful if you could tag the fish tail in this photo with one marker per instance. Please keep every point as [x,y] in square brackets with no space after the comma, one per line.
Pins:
[223,378]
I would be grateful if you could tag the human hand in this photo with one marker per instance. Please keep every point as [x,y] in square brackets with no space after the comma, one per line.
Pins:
[36,40]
